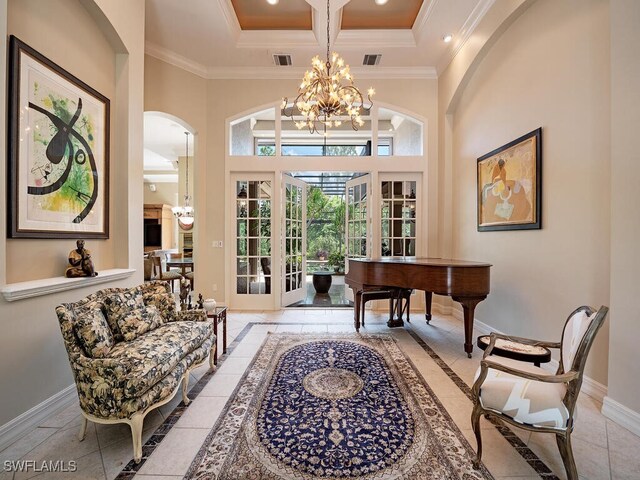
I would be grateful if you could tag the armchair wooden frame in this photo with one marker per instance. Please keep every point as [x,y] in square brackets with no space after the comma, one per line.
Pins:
[572,379]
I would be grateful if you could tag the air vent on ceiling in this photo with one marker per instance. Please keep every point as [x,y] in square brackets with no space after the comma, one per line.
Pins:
[282,59]
[372,59]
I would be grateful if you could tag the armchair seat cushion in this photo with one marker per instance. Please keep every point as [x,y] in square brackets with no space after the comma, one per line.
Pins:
[149,358]
[529,402]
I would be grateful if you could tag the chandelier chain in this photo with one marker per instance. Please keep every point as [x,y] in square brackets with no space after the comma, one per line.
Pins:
[328,33]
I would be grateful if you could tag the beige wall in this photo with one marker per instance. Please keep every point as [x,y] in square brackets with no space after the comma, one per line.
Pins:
[45,27]
[557,79]
[166,193]
[207,104]
[33,361]
[624,383]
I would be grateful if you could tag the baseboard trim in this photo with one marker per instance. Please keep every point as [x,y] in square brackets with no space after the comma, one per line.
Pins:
[623,416]
[16,428]
[594,389]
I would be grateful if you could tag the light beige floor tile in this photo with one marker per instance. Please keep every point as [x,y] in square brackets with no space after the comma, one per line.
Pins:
[314,329]
[500,458]
[25,444]
[221,385]
[88,467]
[63,445]
[116,456]
[624,451]
[202,412]
[283,328]
[245,350]
[592,461]
[62,418]
[176,452]
[233,366]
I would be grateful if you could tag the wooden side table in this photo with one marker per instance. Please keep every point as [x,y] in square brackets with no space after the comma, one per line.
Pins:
[219,314]
[516,351]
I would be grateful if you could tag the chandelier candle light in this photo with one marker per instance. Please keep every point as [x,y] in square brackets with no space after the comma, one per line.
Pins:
[185,213]
[327,95]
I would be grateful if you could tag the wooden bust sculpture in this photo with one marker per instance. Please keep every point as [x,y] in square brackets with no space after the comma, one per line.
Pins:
[80,263]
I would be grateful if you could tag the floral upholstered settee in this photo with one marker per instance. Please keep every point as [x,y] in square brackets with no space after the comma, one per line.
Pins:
[130,349]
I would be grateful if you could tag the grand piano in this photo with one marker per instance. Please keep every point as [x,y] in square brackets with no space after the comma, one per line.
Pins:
[465,282]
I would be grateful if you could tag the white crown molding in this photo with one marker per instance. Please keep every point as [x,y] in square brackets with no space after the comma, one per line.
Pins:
[230,18]
[420,25]
[277,39]
[465,32]
[19,426]
[623,416]
[168,56]
[375,39]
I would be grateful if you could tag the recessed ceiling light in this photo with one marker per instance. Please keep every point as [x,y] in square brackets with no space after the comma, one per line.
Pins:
[381,2]
[272,2]
[447,38]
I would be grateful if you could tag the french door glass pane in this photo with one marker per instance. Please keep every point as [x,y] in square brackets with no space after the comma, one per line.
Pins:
[253,232]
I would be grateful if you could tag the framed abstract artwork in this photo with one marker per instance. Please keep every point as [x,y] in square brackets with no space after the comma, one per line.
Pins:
[58,180]
[509,185]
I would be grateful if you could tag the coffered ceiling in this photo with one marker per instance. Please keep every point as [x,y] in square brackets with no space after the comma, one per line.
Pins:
[238,38]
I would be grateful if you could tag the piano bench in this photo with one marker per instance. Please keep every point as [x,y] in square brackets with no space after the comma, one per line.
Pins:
[387,294]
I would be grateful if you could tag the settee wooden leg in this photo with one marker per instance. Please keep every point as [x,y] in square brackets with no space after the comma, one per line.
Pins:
[185,385]
[83,428]
[136,423]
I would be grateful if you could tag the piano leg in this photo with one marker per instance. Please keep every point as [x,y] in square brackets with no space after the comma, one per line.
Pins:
[468,307]
[427,305]
[357,304]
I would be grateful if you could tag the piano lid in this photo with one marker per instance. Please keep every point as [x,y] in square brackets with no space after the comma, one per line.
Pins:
[436,262]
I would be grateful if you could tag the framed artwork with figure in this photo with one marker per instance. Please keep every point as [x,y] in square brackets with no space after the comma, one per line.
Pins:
[58,151]
[509,184]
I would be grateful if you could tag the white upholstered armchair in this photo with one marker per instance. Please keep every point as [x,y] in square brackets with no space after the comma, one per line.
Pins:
[532,398]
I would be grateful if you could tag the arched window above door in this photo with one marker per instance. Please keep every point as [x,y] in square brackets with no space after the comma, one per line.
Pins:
[265,132]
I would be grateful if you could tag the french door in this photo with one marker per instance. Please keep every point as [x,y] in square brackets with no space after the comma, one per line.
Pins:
[294,240]
[358,221]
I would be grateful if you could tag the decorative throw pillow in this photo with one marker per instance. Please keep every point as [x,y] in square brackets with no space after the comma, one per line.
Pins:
[139,321]
[118,305]
[94,333]
[165,303]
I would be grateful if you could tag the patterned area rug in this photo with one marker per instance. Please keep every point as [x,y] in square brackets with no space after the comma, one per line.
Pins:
[334,406]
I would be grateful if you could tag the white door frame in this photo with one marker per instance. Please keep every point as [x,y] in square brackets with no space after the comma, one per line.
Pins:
[299,293]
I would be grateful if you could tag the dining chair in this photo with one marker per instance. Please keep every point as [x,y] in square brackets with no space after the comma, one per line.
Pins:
[171,276]
[534,399]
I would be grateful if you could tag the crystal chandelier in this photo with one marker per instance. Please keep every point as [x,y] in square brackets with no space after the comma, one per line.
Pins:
[327,95]
[185,213]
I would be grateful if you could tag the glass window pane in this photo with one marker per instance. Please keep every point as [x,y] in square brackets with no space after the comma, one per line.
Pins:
[385,228]
[397,190]
[265,228]
[386,189]
[386,209]
[241,265]
[241,228]
[265,246]
[242,247]
[241,285]
[410,247]
[399,134]
[385,250]
[265,208]
[397,247]
[265,190]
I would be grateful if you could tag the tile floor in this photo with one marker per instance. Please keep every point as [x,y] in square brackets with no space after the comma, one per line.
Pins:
[603,449]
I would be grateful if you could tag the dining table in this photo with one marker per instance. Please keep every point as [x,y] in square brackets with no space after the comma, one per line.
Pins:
[182,263]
